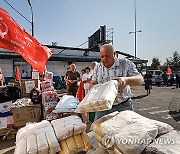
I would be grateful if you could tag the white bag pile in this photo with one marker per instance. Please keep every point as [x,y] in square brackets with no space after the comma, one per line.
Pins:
[37,138]
[70,132]
[68,126]
[101,97]
[67,103]
[131,132]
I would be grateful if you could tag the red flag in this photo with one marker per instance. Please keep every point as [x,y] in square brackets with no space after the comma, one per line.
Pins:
[18,74]
[169,70]
[15,38]
[80,91]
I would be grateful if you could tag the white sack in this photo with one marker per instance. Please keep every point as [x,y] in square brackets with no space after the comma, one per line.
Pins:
[53,142]
[33,128]
[101,97]
[167,144]
[21,147]
[42,144]
[68,103]
[40,138]
[68,126]
[32,144]
[131,132]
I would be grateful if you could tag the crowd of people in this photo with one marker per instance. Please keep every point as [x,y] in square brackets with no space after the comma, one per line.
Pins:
[78,83]
[167,79]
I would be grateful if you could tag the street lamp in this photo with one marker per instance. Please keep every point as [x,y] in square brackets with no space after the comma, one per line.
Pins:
[135,31]
[32,21]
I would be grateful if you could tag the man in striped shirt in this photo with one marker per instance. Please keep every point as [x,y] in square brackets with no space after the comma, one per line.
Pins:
[122,70]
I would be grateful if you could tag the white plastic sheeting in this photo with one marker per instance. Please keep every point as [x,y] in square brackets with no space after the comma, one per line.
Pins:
[67,103]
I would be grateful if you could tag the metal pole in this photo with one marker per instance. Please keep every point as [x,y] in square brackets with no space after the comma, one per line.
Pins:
[135,29]
[32,17]
[32,23]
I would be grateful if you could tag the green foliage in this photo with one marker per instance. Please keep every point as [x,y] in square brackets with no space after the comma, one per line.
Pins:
[155,63]
[174,60]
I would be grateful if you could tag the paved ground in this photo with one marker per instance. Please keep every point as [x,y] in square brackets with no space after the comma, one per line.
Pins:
[162,104]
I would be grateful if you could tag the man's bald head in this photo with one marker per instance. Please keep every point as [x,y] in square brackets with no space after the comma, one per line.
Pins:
[107,55]
[108,47]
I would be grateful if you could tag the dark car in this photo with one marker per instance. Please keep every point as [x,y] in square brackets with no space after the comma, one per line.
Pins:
[58,82]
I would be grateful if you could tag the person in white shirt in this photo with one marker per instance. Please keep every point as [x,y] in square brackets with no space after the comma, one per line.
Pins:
[86,78]
[93,64]
[122,70]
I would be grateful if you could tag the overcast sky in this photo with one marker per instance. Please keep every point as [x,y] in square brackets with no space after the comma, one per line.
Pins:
[71,22]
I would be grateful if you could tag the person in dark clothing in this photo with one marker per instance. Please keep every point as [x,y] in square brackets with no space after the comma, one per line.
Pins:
[148,82]
[71,78]
[177,80]
[165,78]
[171,81]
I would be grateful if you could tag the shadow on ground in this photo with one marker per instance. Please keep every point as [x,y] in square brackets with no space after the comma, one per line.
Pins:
[175,115]
[139,97]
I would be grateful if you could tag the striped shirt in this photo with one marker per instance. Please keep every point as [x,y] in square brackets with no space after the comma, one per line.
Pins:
[120,68]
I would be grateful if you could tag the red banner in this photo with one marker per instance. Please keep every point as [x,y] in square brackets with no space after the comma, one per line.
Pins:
[15,38]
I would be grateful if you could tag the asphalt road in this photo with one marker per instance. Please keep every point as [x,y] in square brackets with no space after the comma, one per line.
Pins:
[162,104]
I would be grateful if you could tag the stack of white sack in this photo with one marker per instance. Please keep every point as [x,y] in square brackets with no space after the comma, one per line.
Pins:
[67,103]
[70,132]
[131,132]
[49,102]
[37,138]
[68,126]
[101,97]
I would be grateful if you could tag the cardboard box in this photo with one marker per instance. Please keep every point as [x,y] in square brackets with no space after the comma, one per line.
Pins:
[25,114]
[24,85]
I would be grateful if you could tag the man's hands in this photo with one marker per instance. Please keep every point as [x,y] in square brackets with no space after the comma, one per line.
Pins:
[71,81]
[121,82]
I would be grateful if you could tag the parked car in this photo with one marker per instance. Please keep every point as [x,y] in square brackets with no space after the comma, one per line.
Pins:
[156,79]
[58,82]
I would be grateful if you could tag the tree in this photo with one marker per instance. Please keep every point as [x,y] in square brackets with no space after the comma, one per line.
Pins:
[175,60]
[155,63]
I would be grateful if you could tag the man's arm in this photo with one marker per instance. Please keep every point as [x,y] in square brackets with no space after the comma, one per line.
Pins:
[136,80]
[92,83]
